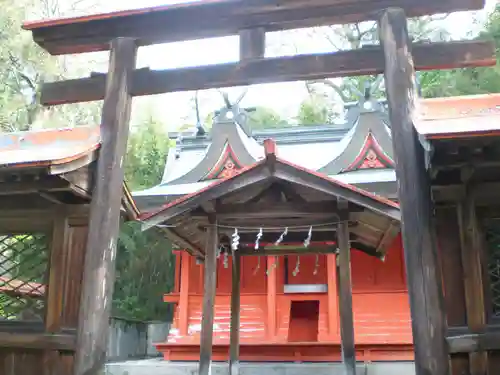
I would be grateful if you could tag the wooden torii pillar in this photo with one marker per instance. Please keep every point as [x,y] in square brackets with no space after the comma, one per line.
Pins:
[419,240]
[100,256]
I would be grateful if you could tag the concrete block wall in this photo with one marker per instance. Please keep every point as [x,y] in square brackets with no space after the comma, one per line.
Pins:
[130,339]
[160,367]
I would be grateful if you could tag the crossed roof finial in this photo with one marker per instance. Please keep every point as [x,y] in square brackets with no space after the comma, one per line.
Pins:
[232,112]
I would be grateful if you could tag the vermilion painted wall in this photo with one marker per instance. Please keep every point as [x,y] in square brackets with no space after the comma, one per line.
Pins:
[306,326]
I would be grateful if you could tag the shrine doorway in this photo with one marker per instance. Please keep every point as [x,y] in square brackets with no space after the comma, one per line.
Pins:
[304,320]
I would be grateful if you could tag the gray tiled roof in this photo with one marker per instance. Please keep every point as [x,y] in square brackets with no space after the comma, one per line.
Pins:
[324,148]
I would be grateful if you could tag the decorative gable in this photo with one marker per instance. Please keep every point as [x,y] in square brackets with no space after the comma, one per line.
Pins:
[227,165]
[371,156]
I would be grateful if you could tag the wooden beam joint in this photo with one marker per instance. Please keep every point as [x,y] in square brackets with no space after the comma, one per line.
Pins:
[474,342]
[252,44]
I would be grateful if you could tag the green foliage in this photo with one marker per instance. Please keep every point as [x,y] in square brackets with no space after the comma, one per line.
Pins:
[468,81]
[144,272]
[146,155]
[145,263]
[20,64]
[315,110]
[265,118]
[24,67]
[28,256]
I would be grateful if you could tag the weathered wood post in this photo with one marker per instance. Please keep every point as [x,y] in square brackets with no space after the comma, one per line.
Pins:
[424,281]
[210,284]
[471,242]
[345,299]
[99,268]
[234,344]
[449,250]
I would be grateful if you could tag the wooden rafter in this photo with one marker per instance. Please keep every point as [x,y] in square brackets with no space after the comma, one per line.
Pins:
[276,210]
[388,237]
[296,236]
[323,223]
[290,193]
[48,183]
[363,61]
[285,172]
[45,341]
[287,251]
[215,18]
[190,247]
[213,191]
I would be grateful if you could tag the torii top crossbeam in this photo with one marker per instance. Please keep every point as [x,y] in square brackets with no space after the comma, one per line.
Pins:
[251,20]
[215,18]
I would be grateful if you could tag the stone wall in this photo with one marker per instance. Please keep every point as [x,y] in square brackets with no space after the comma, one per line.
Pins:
[129,339]
[161,367]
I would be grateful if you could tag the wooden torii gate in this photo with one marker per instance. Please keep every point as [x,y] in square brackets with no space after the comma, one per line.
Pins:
[123,32]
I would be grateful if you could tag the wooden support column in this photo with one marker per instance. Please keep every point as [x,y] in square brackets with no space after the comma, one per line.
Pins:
[449,250]
[424,279]
[333,307]
[471,250]
[207,321]
[345,300]
[177,280]
[55,294]
[57,275]
[100,257]
[184,294]
[272,263]
[234,344]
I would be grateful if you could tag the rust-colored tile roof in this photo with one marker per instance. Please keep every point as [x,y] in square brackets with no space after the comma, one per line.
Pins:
[31,25]
[459,117]
[460,106]
[48,147]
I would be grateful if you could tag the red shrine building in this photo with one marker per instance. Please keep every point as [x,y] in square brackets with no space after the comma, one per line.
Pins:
[289,304]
